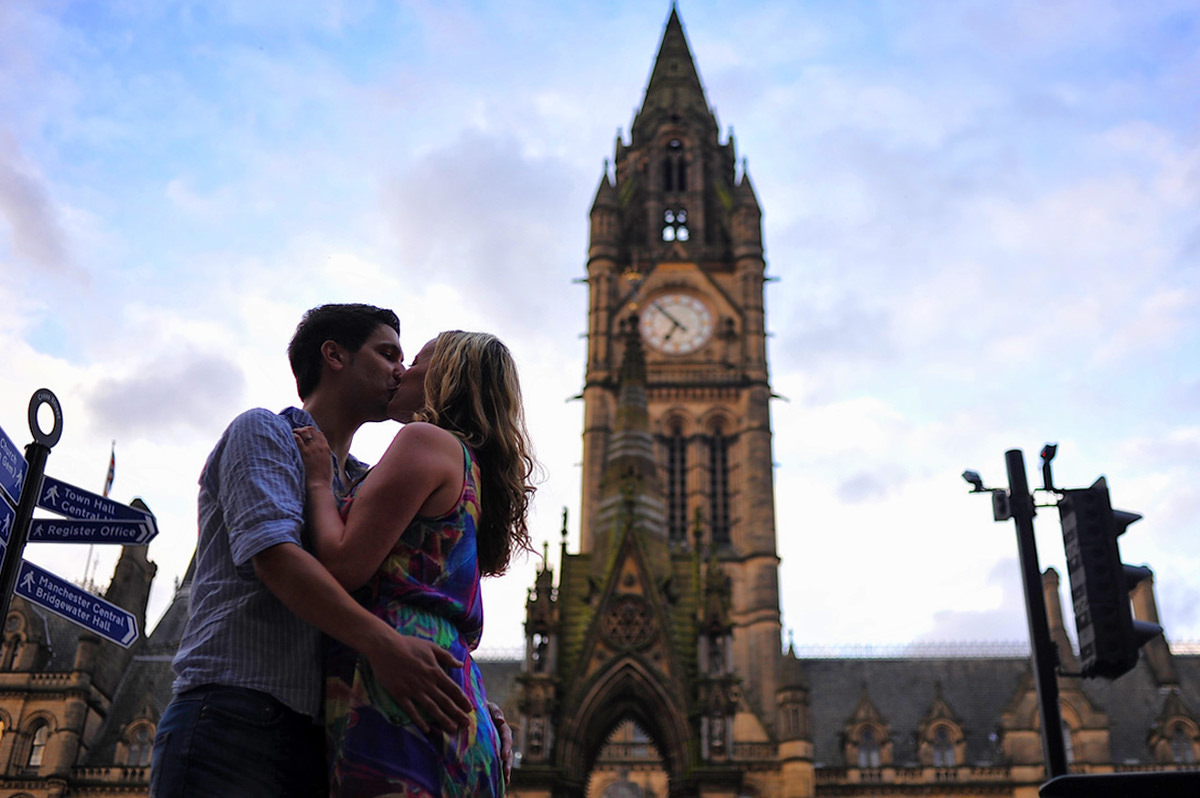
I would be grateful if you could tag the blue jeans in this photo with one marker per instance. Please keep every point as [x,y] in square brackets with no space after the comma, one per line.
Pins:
[232,742]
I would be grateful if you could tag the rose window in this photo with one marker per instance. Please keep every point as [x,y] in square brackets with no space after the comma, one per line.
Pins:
[628,623]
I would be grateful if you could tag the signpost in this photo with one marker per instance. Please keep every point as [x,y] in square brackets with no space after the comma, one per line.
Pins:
[12,469]
[76,604]
[59,497]
[26,480]
[51,530]
[92,519]
[7,518]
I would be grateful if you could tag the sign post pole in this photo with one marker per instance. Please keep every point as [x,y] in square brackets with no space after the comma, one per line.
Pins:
[35,455]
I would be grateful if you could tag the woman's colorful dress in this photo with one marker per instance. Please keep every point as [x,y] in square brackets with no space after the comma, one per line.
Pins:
[428,586]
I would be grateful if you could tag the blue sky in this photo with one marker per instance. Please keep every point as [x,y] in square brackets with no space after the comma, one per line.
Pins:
[982,216]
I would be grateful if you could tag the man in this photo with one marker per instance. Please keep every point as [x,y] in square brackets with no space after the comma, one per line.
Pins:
[243,721]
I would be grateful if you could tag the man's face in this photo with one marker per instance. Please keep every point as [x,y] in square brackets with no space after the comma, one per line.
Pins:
[410,396]
[374,371]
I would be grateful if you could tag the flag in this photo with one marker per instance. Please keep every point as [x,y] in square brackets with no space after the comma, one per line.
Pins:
[112,469]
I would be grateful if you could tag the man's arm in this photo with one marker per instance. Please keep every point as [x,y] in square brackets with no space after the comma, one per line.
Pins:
[409,668]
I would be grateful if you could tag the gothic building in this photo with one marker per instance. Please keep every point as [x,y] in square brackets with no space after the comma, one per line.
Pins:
[654,664]
[668,617]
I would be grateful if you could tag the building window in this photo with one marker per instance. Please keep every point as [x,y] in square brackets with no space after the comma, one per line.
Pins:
[1182,747]
[14,628]
[868,749]
[674,168]
[37,747]
[141,744]
[718,487]
[675,225]
[677,521]
[791,720]
[11,645]
[1068,744]
[540,651]
[943,748]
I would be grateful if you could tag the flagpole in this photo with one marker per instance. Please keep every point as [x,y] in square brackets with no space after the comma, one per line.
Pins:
[89,566]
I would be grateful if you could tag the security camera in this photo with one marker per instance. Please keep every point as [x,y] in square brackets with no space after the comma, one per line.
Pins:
[975,480]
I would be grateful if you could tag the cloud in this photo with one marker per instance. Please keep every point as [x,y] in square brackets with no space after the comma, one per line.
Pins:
[181,390]
[26,203]
[1004,621]
[815,331]
[496,222]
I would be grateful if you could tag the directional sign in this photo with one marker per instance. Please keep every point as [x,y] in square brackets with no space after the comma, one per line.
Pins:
[12,468]
[74,502]
[54,530]
[8,517]
[76,604]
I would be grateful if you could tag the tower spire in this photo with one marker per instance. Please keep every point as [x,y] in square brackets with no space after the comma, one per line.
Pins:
[674,92]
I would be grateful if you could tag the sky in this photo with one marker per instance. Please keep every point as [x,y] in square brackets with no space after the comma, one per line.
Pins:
[981,218]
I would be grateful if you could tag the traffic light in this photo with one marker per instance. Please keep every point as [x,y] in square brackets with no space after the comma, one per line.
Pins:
[1109,637]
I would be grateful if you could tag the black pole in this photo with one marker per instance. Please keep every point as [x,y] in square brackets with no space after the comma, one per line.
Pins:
[1044,654]
[35,457]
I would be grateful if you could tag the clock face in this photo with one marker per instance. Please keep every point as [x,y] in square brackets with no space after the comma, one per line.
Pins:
[676,323]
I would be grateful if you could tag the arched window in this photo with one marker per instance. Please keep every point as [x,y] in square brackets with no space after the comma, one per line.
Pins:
[541,645]
[718,485]
[677,522]
[1183,748]
[674,167]
[868,749]
[39,735]
[675,225]
[791,720]
[943,748]
[12,643]
[141,745]
[14,638]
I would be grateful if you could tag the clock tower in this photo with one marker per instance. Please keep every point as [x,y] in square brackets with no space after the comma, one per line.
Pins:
[668,617]
[676,244]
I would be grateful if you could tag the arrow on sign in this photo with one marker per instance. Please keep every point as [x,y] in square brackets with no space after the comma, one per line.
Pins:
[75,604]
[52,530]
[7,516]
[59,497]
[12,468]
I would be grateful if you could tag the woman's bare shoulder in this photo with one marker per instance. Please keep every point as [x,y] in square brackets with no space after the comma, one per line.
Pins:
[420,440]
[422,432]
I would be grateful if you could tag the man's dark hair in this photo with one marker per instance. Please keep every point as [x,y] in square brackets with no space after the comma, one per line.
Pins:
[349,326]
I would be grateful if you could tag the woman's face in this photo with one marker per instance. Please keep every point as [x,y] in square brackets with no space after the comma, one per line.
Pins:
[410,395]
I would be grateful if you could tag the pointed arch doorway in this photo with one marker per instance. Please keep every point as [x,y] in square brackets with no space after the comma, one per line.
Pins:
[629,765]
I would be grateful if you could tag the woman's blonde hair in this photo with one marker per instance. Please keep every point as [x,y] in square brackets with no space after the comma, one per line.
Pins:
[472,390]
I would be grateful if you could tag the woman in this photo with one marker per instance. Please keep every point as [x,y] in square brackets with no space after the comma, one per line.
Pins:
[445,504]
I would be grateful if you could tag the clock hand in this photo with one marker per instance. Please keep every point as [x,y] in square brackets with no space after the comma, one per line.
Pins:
[674,320]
